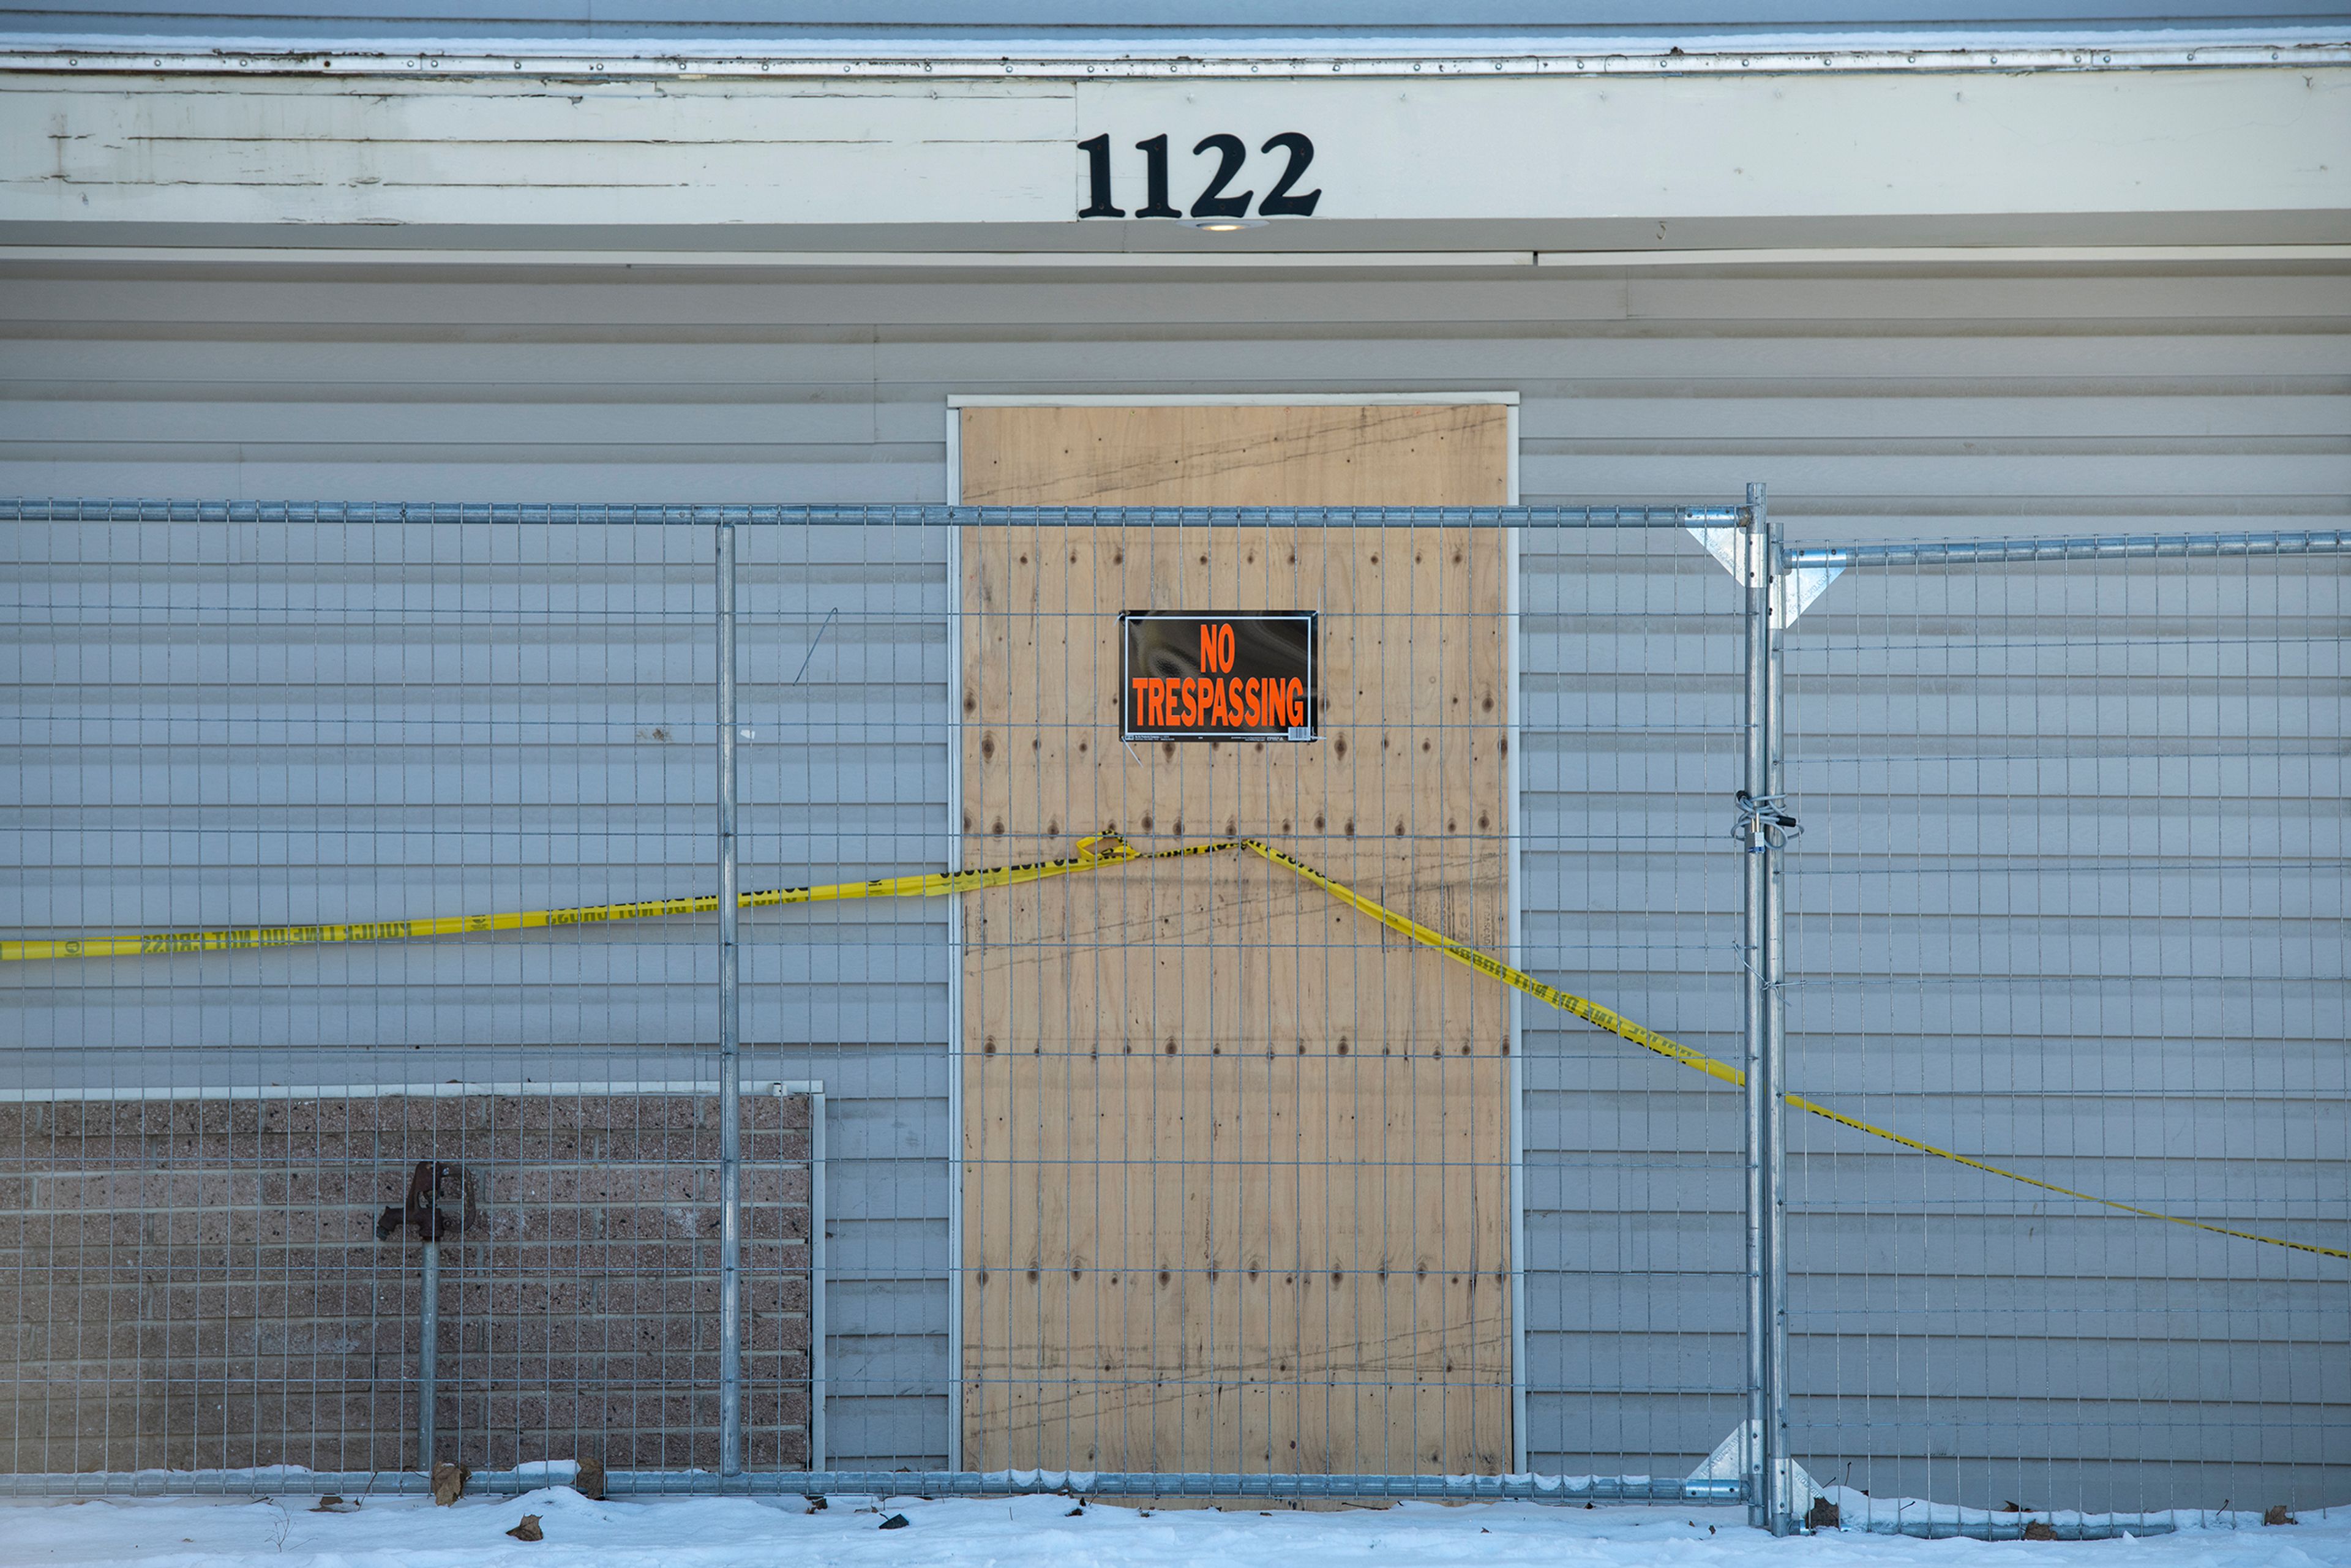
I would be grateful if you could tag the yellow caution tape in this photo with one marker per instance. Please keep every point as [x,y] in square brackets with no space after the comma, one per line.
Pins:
[927,885]
[1649,1040]
[1108,849]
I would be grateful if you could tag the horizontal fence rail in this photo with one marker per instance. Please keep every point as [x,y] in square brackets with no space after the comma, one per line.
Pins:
[2085,546]
[906,1483]
[910,515]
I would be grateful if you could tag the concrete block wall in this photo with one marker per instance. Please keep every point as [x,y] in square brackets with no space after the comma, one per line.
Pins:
[196,1283]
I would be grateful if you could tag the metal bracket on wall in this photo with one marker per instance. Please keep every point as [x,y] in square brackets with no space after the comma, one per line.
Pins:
[1793,591]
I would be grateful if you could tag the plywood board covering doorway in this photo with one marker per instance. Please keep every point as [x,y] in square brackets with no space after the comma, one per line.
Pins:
[1236,1183]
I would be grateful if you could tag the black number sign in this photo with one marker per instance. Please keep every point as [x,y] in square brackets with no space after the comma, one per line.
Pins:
[1279,203]
[1284,201]
[1097,151]
[1213,202]
[1155,183]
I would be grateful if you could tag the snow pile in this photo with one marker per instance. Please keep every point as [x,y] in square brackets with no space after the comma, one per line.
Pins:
[1047,1533]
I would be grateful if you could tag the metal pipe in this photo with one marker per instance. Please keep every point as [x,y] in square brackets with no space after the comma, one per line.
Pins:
[1753,940]
[895,1483]
[900,516]
[2323,541]
[428,1354]
[1778,1484]
[2115,546]
[730,1064]
[817,1327]
[1514,799]
[952,913]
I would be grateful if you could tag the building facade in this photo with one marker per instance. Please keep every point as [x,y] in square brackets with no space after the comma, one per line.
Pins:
[1926,277]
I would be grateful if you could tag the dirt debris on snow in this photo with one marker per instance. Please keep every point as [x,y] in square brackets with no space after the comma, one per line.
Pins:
[449,1481]
[1043,1531]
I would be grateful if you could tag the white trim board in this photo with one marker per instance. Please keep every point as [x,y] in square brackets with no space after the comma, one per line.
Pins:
[1130,261]
[431,156]
[856,260]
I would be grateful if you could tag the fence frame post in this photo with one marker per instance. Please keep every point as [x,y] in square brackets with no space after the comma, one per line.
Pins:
[1768,1479]
[1779,1476]
[428,1354]
[730,1064]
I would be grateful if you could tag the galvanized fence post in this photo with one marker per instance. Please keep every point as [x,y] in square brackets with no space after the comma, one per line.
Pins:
[1780,1479]
[730,1065]
[1757,612]
[1767,1275]
[428,1354]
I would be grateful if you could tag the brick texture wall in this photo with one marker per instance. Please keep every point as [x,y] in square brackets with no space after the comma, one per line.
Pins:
[197,1284]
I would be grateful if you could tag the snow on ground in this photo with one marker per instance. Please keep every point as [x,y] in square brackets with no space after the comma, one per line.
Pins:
[735,1532]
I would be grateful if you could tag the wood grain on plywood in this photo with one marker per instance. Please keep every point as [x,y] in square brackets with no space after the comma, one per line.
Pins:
[1373,454]
[1235,1183]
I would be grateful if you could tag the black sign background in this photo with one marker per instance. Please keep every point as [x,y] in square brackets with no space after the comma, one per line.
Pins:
[1189,675]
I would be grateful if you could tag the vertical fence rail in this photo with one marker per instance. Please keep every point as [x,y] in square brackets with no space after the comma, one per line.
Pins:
[1779,1480]
[1755,562]
[730,1043]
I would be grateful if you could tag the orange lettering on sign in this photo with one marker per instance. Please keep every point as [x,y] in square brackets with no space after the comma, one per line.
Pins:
[1216,646]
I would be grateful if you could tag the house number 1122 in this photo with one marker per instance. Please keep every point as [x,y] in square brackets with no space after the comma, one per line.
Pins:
[1216,200]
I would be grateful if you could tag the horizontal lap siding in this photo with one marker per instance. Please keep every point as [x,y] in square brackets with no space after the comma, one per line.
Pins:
[1877,403]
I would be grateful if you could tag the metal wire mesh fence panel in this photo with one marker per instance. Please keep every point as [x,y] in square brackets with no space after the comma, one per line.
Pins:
[2070,900]
[199,1284]
[846,735]
[364,788]
[1630,724]
[366,1108]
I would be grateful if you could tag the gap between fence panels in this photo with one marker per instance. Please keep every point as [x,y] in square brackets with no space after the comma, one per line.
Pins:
[1766,799]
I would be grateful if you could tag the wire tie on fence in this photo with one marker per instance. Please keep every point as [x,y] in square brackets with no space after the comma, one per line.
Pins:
[1762,824]
[1092,853]
[814,641]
